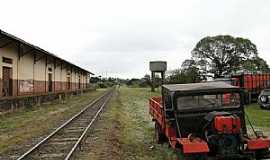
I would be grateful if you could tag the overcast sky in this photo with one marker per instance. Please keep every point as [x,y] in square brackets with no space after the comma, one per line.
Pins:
[120,37]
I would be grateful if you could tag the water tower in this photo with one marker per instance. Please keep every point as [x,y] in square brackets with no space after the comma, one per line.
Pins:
[157,67]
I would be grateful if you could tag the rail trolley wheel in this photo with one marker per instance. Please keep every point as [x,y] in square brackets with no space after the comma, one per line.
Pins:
[264,107]
[159,136]
[260,154]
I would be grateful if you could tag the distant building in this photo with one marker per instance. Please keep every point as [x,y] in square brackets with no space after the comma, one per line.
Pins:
[29,70]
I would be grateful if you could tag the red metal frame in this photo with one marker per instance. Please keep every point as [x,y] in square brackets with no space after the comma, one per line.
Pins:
[258,143]
[157,111]
[195,145]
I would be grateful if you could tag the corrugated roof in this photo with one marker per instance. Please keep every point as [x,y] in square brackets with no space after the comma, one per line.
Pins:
[39,49]
[199,86]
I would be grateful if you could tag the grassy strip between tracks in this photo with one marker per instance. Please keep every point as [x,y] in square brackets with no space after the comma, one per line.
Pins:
[125,130]
[20,127]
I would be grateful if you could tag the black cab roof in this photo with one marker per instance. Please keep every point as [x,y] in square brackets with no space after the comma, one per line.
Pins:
[200,87]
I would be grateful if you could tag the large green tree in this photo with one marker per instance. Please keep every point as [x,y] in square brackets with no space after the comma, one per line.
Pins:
[224,54]
[255,64]
[179,76]
[188,73]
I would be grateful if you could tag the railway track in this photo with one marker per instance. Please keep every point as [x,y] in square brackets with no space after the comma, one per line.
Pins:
[62,143]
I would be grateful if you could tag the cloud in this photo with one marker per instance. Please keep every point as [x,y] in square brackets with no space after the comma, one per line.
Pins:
[132,40]
[120,37]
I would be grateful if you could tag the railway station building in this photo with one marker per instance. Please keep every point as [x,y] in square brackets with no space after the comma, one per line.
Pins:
[27,70]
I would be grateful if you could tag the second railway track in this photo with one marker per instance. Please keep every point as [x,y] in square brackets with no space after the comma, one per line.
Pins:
[62,143]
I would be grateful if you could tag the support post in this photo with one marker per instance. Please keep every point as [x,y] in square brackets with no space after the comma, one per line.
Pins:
[38,101]
[153,82]
[162,77]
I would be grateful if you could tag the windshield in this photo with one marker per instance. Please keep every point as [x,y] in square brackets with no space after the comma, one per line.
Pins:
[211,101]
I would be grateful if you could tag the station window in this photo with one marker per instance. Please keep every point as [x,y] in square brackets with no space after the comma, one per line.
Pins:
[7,60]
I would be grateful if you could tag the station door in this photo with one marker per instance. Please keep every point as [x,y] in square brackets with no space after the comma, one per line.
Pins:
[79,82]
[7,81]
[50,83]
[68,84]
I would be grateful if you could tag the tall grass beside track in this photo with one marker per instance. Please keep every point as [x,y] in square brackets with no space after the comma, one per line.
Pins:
[125,130]
[138,129]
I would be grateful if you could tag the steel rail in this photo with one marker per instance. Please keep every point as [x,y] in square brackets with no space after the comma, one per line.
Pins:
[86,129]
[62,126]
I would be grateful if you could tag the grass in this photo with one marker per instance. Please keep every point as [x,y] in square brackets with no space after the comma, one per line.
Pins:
[21,127]
[258,117]
[125,130]
[138,130]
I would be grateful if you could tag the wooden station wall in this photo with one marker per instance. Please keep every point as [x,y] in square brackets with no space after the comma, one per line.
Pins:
[30,73]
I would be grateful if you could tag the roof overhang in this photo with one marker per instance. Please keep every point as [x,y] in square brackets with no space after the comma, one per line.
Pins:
[40,50]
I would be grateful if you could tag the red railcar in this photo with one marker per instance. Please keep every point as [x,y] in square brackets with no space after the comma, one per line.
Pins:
[205,121]
[252,83]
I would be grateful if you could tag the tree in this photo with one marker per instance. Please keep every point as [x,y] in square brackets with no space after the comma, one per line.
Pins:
[133,82]
[179,76]
[145,81]
[223,54]
[188,73]
[175,77]
[188,63]
[255,65]
[147,78]
[95,79]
